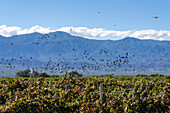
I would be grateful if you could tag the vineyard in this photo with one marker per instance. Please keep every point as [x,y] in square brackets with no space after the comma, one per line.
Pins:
[82,94]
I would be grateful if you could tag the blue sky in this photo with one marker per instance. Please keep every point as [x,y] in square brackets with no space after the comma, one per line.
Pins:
[54,14]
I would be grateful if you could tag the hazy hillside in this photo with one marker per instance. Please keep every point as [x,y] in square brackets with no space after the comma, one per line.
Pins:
[145,56]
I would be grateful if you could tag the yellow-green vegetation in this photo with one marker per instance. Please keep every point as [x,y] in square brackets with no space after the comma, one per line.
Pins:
[120,94]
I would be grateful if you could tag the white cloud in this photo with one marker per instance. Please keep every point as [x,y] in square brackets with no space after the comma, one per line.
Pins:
[95,33]
[99,33]
[151,34]
[14,30]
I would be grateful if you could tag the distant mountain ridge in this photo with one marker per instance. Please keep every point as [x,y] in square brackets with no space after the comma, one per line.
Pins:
[150,55]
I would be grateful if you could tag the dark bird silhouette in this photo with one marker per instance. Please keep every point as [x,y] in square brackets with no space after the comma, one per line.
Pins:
[156,17]
[70,30]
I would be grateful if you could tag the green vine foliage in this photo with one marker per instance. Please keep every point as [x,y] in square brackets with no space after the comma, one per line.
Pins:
[120,94]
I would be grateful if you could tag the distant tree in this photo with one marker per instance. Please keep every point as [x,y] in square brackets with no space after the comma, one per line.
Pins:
[43,75]
[75,74]
[154,75]
[141,75]
[161,75]
[35,74]
[168,76]
[55,76]
[25,73]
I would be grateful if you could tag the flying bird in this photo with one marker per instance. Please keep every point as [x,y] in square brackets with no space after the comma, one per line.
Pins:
[70,30]
[156,17]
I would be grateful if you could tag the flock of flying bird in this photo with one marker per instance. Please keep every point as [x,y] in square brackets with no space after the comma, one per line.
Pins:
[85,62]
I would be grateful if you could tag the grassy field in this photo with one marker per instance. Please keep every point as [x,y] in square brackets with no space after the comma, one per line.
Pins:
[82,94]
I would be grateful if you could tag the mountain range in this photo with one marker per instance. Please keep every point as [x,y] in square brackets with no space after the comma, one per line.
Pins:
[40,51]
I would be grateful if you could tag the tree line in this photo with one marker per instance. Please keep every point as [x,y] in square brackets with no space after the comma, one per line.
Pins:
[27,73]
